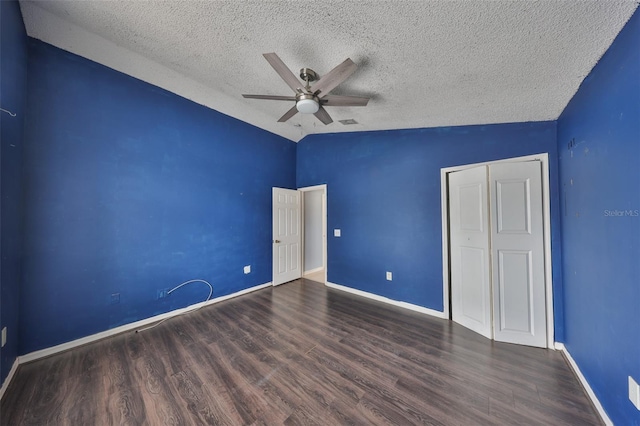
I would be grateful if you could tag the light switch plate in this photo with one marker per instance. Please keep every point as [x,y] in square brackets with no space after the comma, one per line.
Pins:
[4,336]
[634,392]
[247,269]
[336,232]
[389,276]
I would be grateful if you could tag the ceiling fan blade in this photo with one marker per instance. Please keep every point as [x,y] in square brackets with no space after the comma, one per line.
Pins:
[323,116]
[287,115]
[334,77]
[271,97]
[335,100]
[283,71]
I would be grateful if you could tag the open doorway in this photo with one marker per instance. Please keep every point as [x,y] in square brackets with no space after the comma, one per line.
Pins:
[314,246]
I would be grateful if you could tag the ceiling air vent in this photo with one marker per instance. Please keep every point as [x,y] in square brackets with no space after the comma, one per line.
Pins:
[348,122]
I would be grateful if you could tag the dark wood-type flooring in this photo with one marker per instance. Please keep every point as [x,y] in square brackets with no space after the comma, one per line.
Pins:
[299,353]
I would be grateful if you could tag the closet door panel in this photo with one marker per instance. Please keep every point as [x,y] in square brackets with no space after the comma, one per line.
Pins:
[517,247]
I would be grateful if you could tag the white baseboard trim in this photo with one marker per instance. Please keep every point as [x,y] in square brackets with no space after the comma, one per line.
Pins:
[596,403]
[131,326]
[6,382]
[383,299]
[313,271]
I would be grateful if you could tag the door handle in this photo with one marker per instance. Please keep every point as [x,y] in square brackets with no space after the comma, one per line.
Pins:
[276,241]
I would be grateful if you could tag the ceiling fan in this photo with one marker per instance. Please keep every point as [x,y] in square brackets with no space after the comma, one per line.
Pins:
[311,99]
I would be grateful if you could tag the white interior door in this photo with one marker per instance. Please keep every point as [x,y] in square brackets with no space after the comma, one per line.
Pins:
[518,253]
[287,239]
[470,255]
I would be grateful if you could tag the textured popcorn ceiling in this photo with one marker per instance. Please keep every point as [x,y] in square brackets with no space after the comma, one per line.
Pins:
[424,64]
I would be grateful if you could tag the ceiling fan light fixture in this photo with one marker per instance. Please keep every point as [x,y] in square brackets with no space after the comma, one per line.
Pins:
[307,106]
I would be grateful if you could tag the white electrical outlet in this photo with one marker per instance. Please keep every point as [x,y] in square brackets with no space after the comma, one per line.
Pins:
[634,392]
[247,269]
[389,276]
[4,336]
[336,232]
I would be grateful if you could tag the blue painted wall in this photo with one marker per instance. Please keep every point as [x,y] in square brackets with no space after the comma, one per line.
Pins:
[130,189]
[599,148]
[384,194]
[13,89]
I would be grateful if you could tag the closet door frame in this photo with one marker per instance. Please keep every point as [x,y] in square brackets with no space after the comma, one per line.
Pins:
[546,212]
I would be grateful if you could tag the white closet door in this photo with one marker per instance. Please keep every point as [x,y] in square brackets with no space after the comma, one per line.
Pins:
[518,253]
[470,255]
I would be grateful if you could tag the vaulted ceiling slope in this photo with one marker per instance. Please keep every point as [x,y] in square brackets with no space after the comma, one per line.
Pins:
[424,64]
